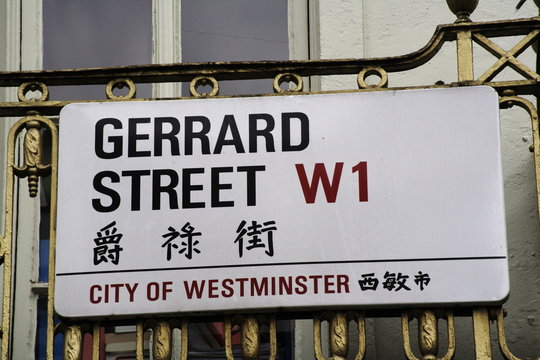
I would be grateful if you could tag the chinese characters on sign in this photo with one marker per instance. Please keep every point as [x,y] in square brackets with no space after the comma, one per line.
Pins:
[288,202]
[256,235]
[188,247]
[393,281]
[253,234]
[107,245]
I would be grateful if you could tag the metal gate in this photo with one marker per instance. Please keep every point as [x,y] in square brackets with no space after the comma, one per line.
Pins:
[37,135]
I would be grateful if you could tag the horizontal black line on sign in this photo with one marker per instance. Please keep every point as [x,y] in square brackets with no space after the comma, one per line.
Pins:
[282,264]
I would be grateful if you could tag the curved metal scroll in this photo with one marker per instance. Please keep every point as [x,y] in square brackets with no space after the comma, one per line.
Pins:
[502,337]
[33,168]
[509,101]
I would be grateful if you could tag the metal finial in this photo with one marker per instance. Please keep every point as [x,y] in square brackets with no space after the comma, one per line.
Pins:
[462,8]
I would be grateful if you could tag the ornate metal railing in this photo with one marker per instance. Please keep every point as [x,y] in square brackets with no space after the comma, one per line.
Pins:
[38,114]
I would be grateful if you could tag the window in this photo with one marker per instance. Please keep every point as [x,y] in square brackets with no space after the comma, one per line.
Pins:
[82,34]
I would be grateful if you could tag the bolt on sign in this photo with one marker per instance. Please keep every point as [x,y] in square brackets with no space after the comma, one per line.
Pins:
[299,201]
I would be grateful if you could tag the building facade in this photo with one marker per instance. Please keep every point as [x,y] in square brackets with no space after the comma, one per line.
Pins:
[51,35]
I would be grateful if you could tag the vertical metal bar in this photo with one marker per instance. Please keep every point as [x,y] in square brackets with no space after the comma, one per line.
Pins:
[273,338]
[317,344]
[52,236]
[96,341]
[34,168]
[361,336]
[406,334]
[465,56]
[451,332]
[536,145]
[184,342]
[139,343]
[6,244]
[228,338]
[482,340]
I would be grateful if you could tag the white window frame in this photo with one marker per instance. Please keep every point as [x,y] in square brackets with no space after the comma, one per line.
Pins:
[22,49]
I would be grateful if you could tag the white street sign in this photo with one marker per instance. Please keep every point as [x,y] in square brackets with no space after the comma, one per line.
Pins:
[329,200]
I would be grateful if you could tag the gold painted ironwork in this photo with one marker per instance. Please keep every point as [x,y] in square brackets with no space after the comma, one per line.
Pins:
[509,100]
[139,340]
[372,70]
[35,112]
[482,337]
[120,84]
[428,334]
[204,81]
[184,339]
[250,338]
[73,343]
[162,338]
[462,8]
[287,78]
[505,351]
[26,87]
[338,334]
[507,58]
[162,341]
[250,328]
[465,56]
[33,168]
[96,340]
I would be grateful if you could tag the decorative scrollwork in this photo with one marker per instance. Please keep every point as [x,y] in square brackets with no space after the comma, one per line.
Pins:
[500,314]
[120,84]
[428,336]
[204,81]
[509,101]
[372,70]
[73,342]
[26,87]
[464,34]
[507,58]
[462,9]
[250,340]
[33,167]
[162,340]
[287,78]
[339,334]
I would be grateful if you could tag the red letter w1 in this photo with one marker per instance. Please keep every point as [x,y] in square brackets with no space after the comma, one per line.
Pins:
[320,174]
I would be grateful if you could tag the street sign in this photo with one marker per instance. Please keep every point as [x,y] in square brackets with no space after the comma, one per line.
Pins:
[301,201]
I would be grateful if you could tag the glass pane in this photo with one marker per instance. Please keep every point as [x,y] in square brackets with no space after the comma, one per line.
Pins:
[98,33]
[87,34]
[235,30]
